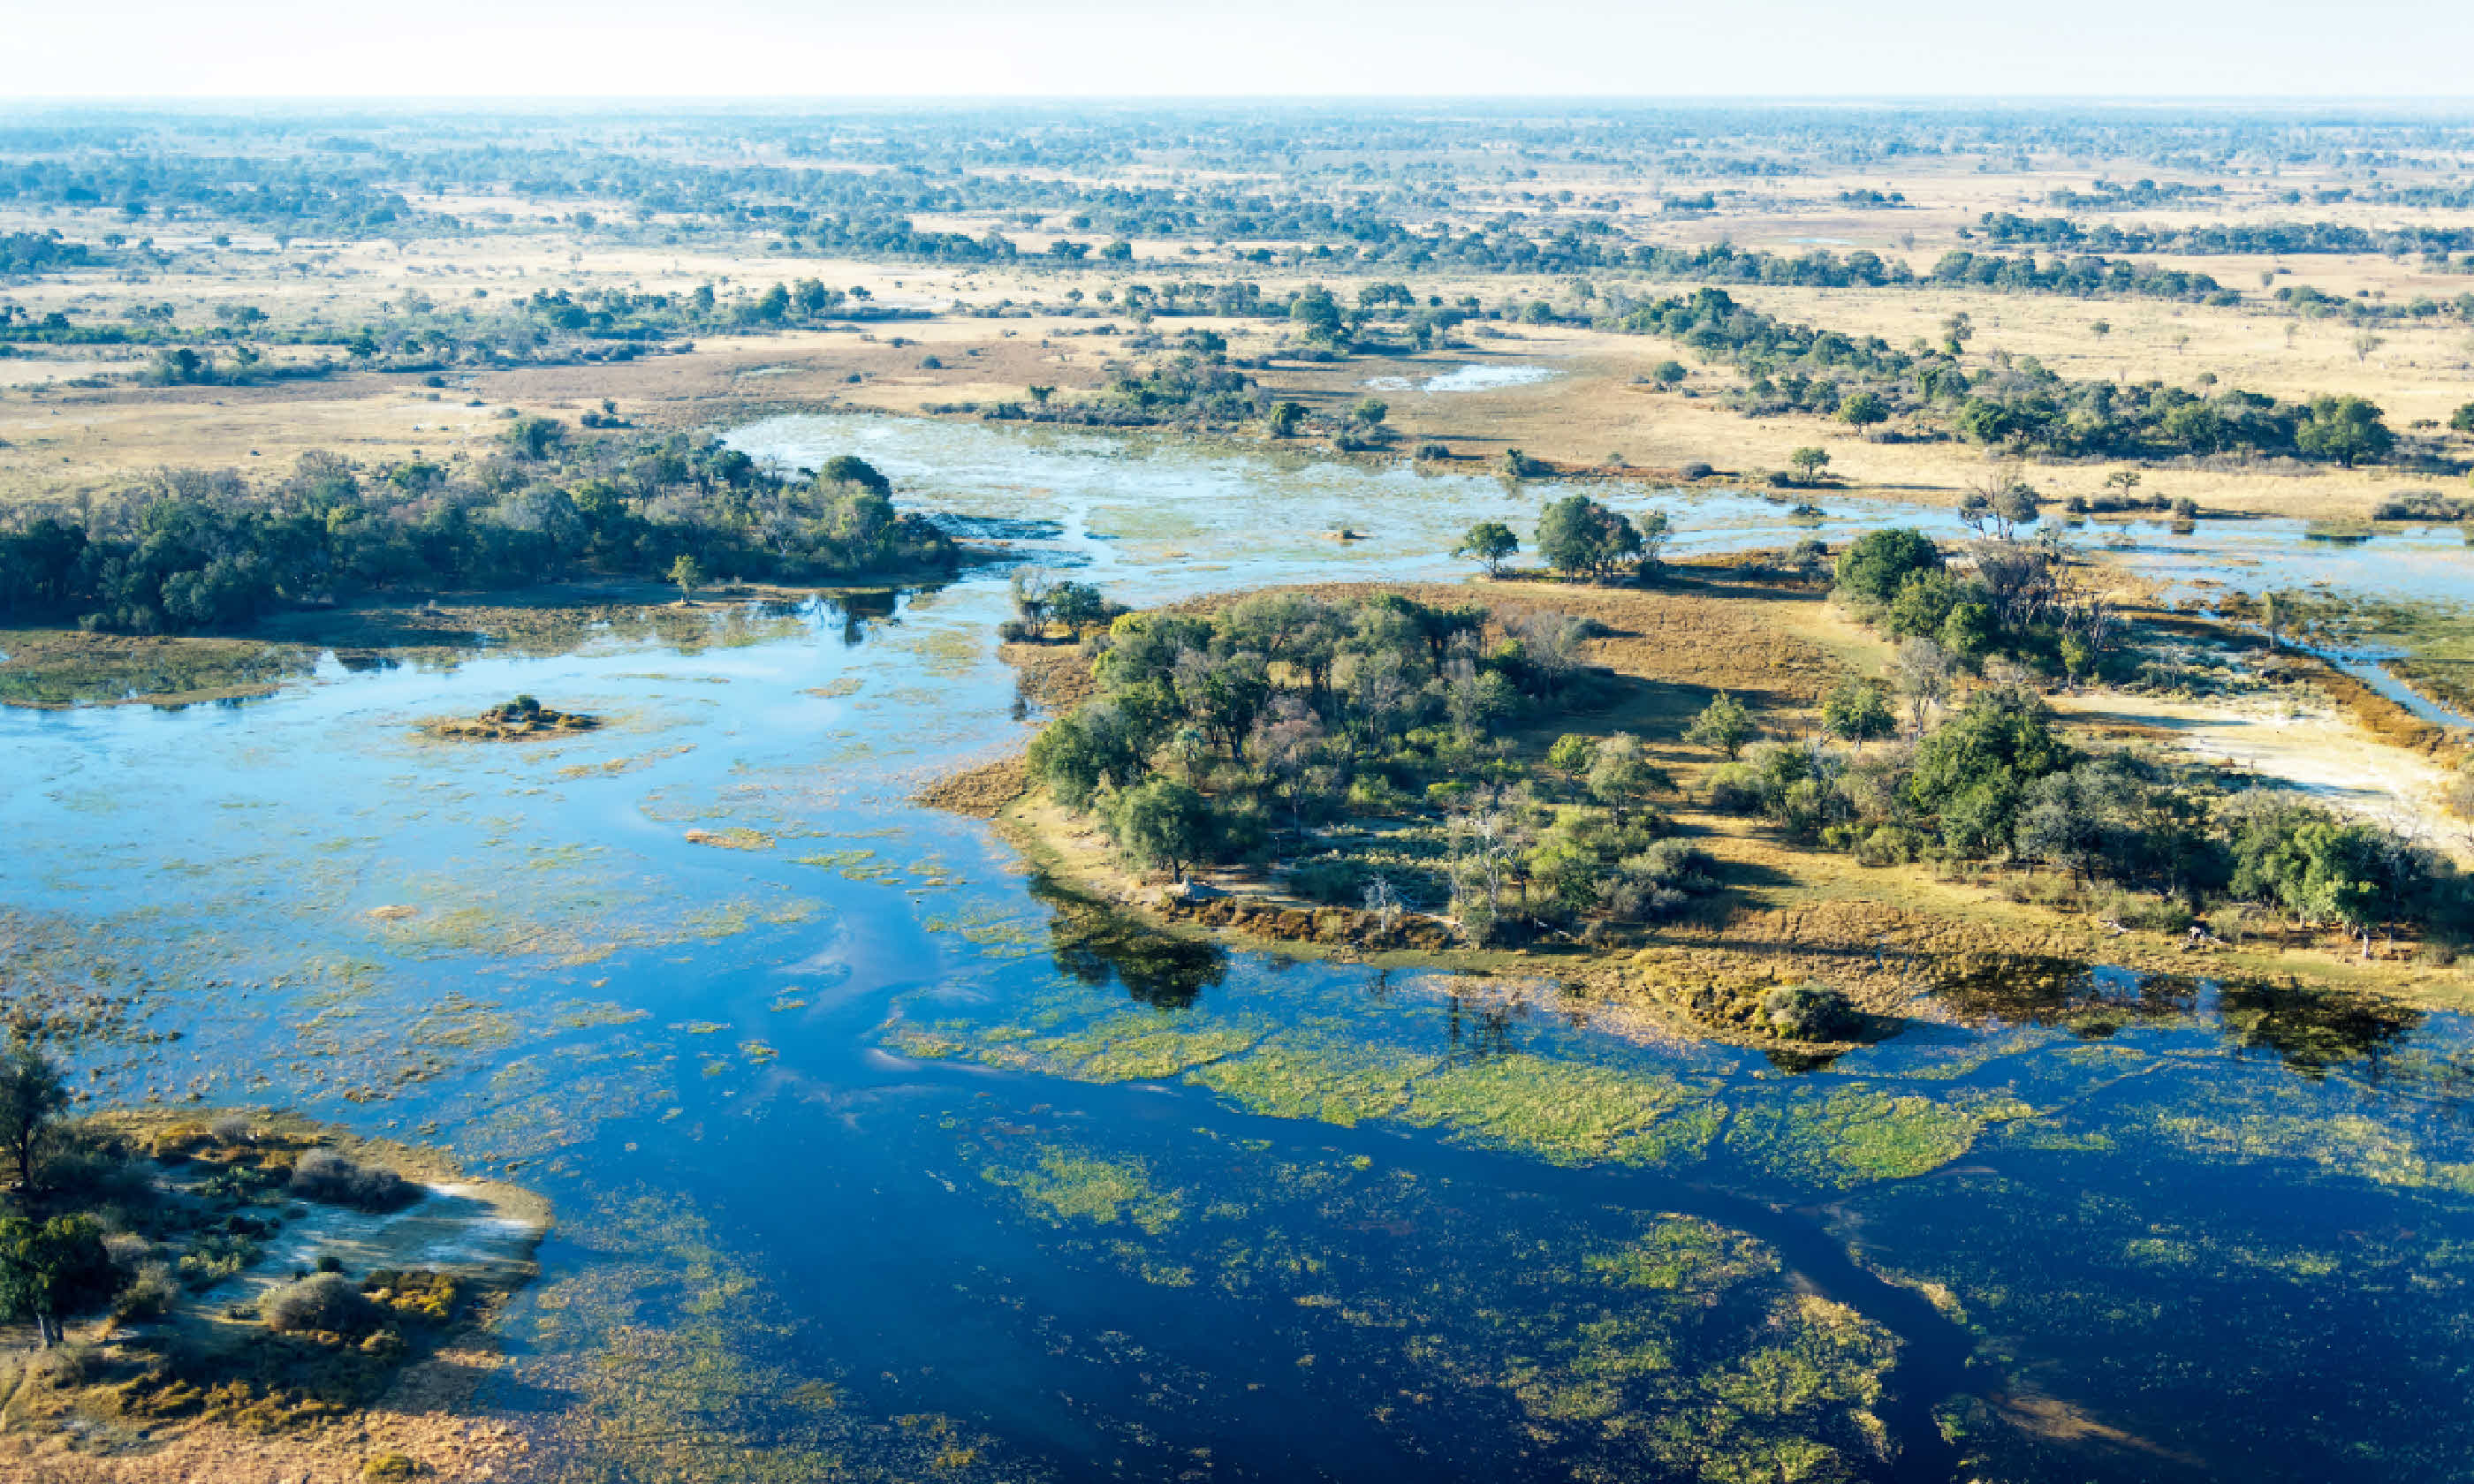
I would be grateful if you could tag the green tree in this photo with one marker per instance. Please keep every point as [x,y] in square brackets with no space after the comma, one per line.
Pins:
[2463,418]
[1370,411]
[1808,463]
[52,1268]
[845,469]
[689,574]
[1865,409]
[1974,770]
[1284,418]
[1621,776]
[1876,563]
[1490,543]
[1572,754]
[1581,537]
[1669,374]
[1316,313]
[1857,712]
[1161,823]
[1970,630]
[1723,726]
[2346,429]
[1654,531]
[32,1096]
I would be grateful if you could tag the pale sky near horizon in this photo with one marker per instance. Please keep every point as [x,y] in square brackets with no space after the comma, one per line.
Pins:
[826,49]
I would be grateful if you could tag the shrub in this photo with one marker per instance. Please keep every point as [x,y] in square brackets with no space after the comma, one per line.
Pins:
[328,1302]
[149,1295]
[1336,882]
[1809,1012]
[323,1175]
[388,1468]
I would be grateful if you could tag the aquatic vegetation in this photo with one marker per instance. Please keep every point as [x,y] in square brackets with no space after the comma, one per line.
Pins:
[1068,1186]
[738,837]
[1565,1111]
[1854,1136]
[1322,1077]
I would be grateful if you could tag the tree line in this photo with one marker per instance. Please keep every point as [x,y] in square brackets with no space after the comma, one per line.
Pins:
[2001,401]
[194,549]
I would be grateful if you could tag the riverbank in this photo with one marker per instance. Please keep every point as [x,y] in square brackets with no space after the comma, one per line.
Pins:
[193,1377]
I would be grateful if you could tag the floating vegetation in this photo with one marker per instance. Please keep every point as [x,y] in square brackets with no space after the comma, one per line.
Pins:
[615,766]
[1302,1075]
[739,837]
[1566,1112]
[1067,1186]
[1853,1135]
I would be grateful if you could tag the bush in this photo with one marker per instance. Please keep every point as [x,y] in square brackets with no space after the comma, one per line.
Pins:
[1335,882]
[328,1302]
[323,1175]
[150,1295]
[388,1468]
[1809,1012]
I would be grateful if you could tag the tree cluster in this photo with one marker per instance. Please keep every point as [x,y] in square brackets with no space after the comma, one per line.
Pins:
[194,549]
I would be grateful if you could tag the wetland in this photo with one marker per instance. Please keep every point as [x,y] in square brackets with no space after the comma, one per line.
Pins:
[874,1151]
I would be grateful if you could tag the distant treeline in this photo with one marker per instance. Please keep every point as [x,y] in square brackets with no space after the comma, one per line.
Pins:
[2224,237]
[2012,402]
[197,549]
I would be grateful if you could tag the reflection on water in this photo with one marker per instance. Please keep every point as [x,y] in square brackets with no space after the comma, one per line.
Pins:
[1097,944]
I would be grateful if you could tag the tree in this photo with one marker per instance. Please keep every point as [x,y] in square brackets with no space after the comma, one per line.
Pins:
[1865,409]
[1039,395]
[52,1268]
[1370,411]
[1922,672]
[1669,374]
[1490,543]
[2463,418]
[2345,429]
[1857,712]
[1622,777]
[1033,590]
[845,469]
[1973,771]
[1316,313]
[1875,564]
[2364,342]
[1578,537]
[1161,823]
[1572,755]
[689,574]
[1655,530]
[32,1095]
[1723,726]
[1809,463]
[1284,418]
[2124,480]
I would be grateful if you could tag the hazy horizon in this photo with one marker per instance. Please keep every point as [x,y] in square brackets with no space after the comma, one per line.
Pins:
[1794,49]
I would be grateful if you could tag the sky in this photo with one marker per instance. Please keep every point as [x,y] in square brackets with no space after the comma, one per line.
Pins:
[830,49]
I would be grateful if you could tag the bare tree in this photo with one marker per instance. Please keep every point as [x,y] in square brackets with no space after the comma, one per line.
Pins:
[1922,672]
